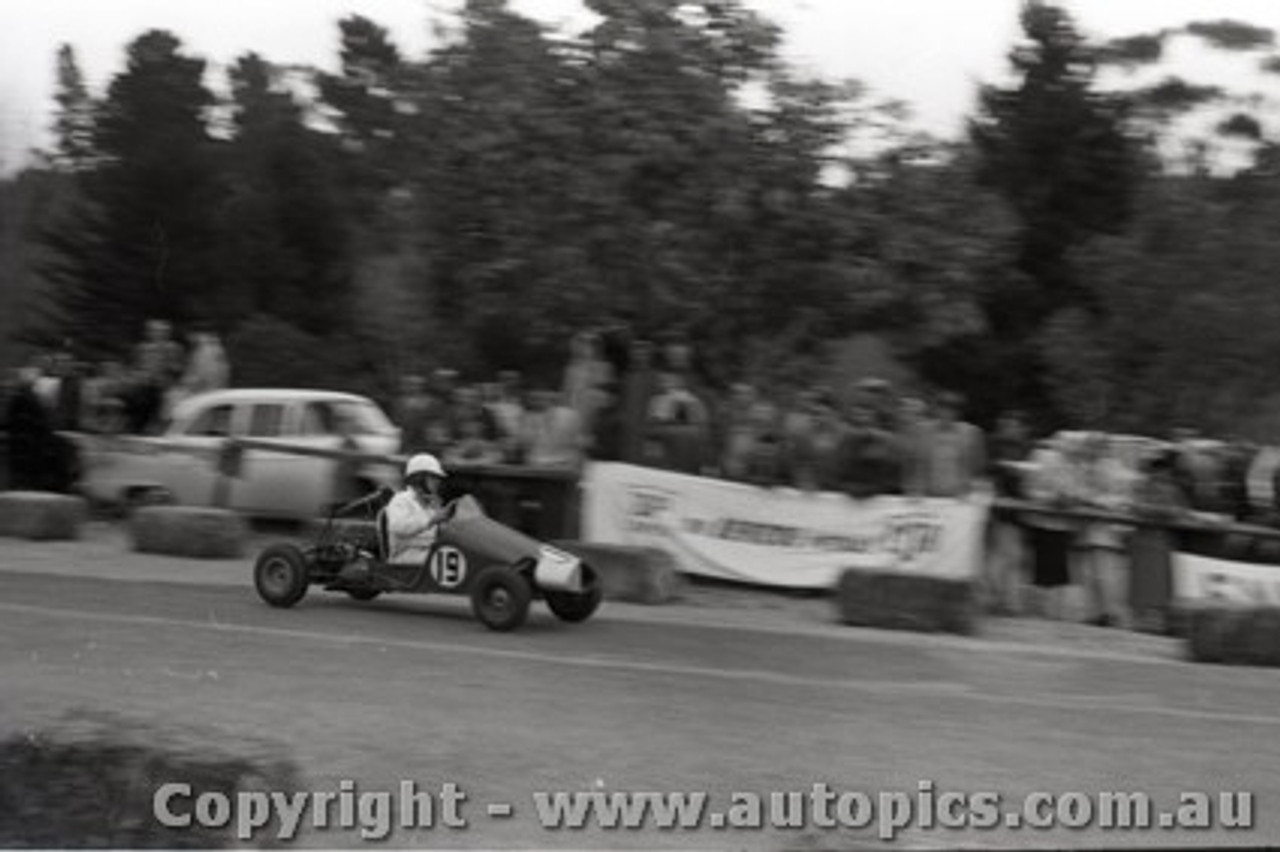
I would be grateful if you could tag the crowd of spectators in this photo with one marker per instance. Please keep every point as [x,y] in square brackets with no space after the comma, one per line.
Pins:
[646,405]
[1109,487]
[58,392]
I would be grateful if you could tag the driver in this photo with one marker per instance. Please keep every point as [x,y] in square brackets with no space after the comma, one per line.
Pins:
[416,511]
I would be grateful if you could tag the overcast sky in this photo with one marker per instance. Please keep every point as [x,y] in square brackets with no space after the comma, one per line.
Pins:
[929,53]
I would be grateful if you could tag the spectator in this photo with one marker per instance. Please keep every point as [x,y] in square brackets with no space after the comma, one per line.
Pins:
[1010,448]
[30,432]
[1157,497]
[207,367]
[551,433]
[1196,470]
[1053,483]
[869,456]
[954,455]
[102,402]
[815,456]
[473,446]
[39,460]
[1236,459]
[412,411]
[507,409]
[586,372]
[679,423]
[615,349]
[48,378]
[468,407]
[638,388]
[677,356]
[738,431]
[1104,485]
[767,461]
[912,438]
[1261,480]
[797,422]
[608,429]
[68,397]
[438,421]
[160,363]
[883,402]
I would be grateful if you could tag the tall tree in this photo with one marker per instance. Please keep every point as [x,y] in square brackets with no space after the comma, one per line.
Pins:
[1056,148]
[282,224]
[367,102]
[73,124]
[141,241]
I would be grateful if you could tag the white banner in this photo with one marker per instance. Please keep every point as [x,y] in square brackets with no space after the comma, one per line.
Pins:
[1200,579]
[781,536]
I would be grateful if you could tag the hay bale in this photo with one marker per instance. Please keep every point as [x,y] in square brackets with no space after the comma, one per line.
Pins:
[637,574]
[190,531]
[41,515]
[906,602]
[1262,639]
[1206,628]
[1240,635]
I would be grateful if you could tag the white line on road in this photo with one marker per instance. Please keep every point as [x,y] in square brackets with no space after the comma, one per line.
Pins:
[958,691]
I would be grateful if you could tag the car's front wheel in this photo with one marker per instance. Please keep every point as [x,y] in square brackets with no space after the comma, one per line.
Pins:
[575,607]
[500,598]
[281,575]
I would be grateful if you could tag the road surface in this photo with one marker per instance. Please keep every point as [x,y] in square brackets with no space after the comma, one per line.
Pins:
[683,699]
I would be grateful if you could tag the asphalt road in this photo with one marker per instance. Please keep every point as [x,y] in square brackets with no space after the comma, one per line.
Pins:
[412,689]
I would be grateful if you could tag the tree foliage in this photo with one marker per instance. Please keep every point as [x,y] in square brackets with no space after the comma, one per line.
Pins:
[1057,149]
[664,169]
[141,239]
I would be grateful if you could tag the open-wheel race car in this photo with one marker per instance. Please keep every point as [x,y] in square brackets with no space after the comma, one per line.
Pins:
[501,569]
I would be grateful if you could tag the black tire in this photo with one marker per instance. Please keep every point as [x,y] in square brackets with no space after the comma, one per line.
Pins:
[576,607]
[281,575]
[364,594]
[500,598]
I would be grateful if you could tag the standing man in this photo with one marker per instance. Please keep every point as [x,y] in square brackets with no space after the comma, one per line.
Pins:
[638,388]
[955,455]
[160,363]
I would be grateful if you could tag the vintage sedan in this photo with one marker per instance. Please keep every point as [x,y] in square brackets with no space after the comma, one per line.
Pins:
[186,462]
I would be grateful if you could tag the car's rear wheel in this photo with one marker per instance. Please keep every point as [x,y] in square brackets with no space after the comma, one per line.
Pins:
[575,607]
[364,594]
[500,598]
[281,575]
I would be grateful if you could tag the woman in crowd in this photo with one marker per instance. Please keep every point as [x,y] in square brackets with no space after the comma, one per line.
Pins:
[585,374]
[815,457]
[1157,496]
[1106,485]
[737,431]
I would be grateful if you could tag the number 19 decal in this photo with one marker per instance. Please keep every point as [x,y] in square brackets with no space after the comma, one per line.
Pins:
[448,567]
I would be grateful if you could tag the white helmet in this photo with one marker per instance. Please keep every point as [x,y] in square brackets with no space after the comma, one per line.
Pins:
[424,463]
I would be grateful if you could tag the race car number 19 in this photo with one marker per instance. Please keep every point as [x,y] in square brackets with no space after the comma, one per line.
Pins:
[448,567]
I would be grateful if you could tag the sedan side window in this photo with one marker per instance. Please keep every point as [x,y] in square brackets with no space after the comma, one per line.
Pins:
[317,419]
[213,422]
[266,421]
